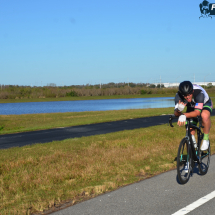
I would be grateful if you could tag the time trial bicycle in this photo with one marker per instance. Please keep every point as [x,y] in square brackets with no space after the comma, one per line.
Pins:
[189,153]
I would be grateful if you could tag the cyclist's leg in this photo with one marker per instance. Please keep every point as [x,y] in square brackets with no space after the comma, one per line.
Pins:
[206,122]
[206,113]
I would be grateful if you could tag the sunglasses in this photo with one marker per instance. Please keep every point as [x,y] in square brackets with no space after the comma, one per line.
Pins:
[187,95]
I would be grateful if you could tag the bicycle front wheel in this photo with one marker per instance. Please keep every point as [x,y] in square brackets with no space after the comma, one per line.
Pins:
[204,158]
[183,161]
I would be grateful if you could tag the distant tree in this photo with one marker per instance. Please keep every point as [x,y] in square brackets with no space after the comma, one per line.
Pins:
[51,85]
[132,85]
[152,86]
[160,86]
[209,85]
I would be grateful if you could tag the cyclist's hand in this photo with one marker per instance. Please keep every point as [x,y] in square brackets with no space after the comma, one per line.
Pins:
[182,120]
[181,105]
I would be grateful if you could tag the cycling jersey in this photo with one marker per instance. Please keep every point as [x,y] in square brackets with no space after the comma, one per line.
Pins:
[200,100]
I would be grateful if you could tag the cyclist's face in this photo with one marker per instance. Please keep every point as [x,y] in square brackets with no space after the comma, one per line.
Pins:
[189,97]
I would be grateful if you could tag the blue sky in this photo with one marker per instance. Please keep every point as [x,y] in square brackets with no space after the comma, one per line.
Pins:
[79,42]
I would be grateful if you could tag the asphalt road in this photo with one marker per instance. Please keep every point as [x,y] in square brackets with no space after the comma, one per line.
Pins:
[44,136]
[159,195]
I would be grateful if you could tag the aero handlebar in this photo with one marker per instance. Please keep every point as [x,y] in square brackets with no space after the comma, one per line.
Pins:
[199,118]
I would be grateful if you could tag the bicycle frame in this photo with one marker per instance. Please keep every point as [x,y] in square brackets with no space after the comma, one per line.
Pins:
[190,141]
[188,134]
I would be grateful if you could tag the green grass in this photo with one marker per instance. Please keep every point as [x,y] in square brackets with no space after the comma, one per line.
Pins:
[41,176]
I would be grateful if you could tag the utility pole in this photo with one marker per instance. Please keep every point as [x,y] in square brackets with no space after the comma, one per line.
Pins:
[160,81]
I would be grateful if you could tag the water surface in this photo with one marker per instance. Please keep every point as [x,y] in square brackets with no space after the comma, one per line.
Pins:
[85,105]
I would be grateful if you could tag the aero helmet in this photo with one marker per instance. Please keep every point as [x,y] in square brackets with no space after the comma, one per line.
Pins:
[185,87]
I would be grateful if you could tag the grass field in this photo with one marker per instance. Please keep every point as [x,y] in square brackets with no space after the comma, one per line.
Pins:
[41,176]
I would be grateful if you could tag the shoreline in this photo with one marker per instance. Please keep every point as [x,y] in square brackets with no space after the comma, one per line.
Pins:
[84,98]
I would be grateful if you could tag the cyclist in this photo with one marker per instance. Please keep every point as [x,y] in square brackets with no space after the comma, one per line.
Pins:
[198,103]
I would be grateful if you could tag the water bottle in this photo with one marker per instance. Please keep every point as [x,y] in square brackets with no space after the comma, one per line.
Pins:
[194,141]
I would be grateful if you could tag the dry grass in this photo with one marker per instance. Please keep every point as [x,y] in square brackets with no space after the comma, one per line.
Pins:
[43,176]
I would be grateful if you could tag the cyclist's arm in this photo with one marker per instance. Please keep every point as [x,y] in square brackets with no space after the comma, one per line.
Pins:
[177,113]
[179,101]
[192,114]
[198,106]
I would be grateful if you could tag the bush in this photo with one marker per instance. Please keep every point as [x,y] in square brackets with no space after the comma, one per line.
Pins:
[142,92]
[72,94]
[209,85]
[4,95]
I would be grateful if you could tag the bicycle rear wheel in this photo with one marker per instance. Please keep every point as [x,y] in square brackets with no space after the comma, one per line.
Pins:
[183,158]
[204,157]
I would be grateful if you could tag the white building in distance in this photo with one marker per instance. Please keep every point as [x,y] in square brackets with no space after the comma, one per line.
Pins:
[177,84]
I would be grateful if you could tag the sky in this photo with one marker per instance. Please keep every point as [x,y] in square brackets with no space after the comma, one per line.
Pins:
[70,42]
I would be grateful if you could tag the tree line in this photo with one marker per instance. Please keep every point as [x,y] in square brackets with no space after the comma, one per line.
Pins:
[52,91]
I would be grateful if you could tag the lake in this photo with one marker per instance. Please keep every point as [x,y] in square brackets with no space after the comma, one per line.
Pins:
[85,105]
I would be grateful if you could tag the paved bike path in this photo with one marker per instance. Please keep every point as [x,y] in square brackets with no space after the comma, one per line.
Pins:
[44,136]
